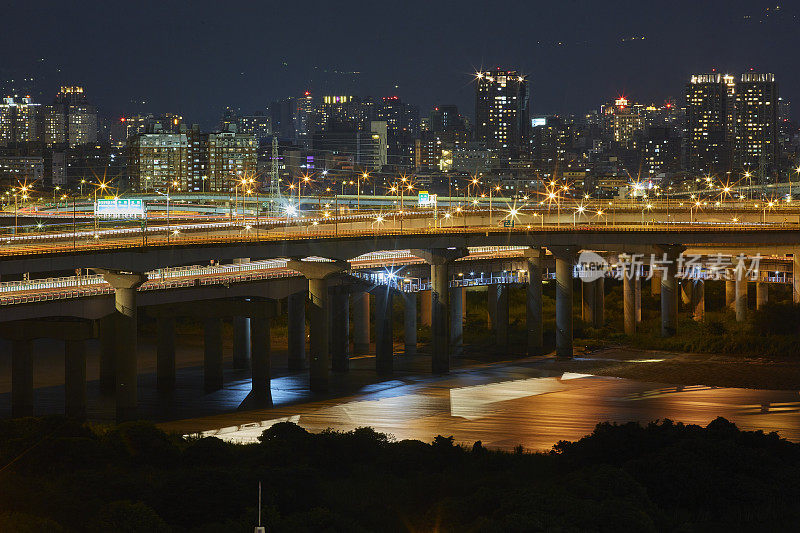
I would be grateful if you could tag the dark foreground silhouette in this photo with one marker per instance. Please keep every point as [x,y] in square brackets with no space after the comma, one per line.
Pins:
[59,475]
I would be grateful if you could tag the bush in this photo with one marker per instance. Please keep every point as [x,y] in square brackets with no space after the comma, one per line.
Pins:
[781,318]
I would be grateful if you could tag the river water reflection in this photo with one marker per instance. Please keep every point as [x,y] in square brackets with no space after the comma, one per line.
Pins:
[503,408]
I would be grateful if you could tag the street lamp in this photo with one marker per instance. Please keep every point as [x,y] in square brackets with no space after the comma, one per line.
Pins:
[102,187]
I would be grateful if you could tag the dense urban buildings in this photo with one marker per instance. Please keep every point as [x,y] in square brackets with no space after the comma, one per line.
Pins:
[725,124]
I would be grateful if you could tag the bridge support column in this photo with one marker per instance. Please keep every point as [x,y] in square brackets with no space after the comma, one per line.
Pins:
[425,308]
[410,323]
[241,342]
[565,259]
[361,323]
[669,291]
[637,291]
[296,330]
[125,285]
[457,321]
[588,294]
[762,294]
[317,274]
[107,332]
[686,291]
[165,354]
[212,360]
[260,389]
[21,378]
[730,293]
[501,316]
[740,304]
[75,379]
[699,300]
[533,302]
[599,302]
[491,307]
[629,301]
[655,282]
[796,276]
[384,342]
[439,260]
[439,308]
[340,329]
[319,357]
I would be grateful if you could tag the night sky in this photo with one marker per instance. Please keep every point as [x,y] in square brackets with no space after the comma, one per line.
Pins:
[195,58]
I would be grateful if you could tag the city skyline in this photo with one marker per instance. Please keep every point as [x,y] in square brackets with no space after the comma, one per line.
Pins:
[559,48]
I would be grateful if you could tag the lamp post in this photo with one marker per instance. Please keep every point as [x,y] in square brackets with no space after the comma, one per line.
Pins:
[100,186]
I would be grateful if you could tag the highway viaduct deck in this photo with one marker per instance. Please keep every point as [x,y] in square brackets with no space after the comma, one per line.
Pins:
[327,288]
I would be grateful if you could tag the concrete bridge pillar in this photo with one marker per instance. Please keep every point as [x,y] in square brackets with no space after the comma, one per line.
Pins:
[669,291]
[762,294]
[629,301]
[565,259]
[699,300]
[260,390]
[241,342]
[21,378]
[384,342]
[340,329]
[165,354]
[491,307]
[599,302]
[296,330]
[361,323]
[533,302]
[730,292]
[655,282]
[439,317]
[317,274]
[410,323]
[425,308]
[457,321]
[125,285]
[107,332]
[686,291]
[439,260]
[740,304]
[241,333]
[501,316]
[588,294]
[75,379]
[637,292]
[796,276]
[212,355]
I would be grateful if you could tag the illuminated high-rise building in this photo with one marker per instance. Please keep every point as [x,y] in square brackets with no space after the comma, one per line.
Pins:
[19,120]
[757,148]
[710,119]
[158,161]
[501,109]
[71,119]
